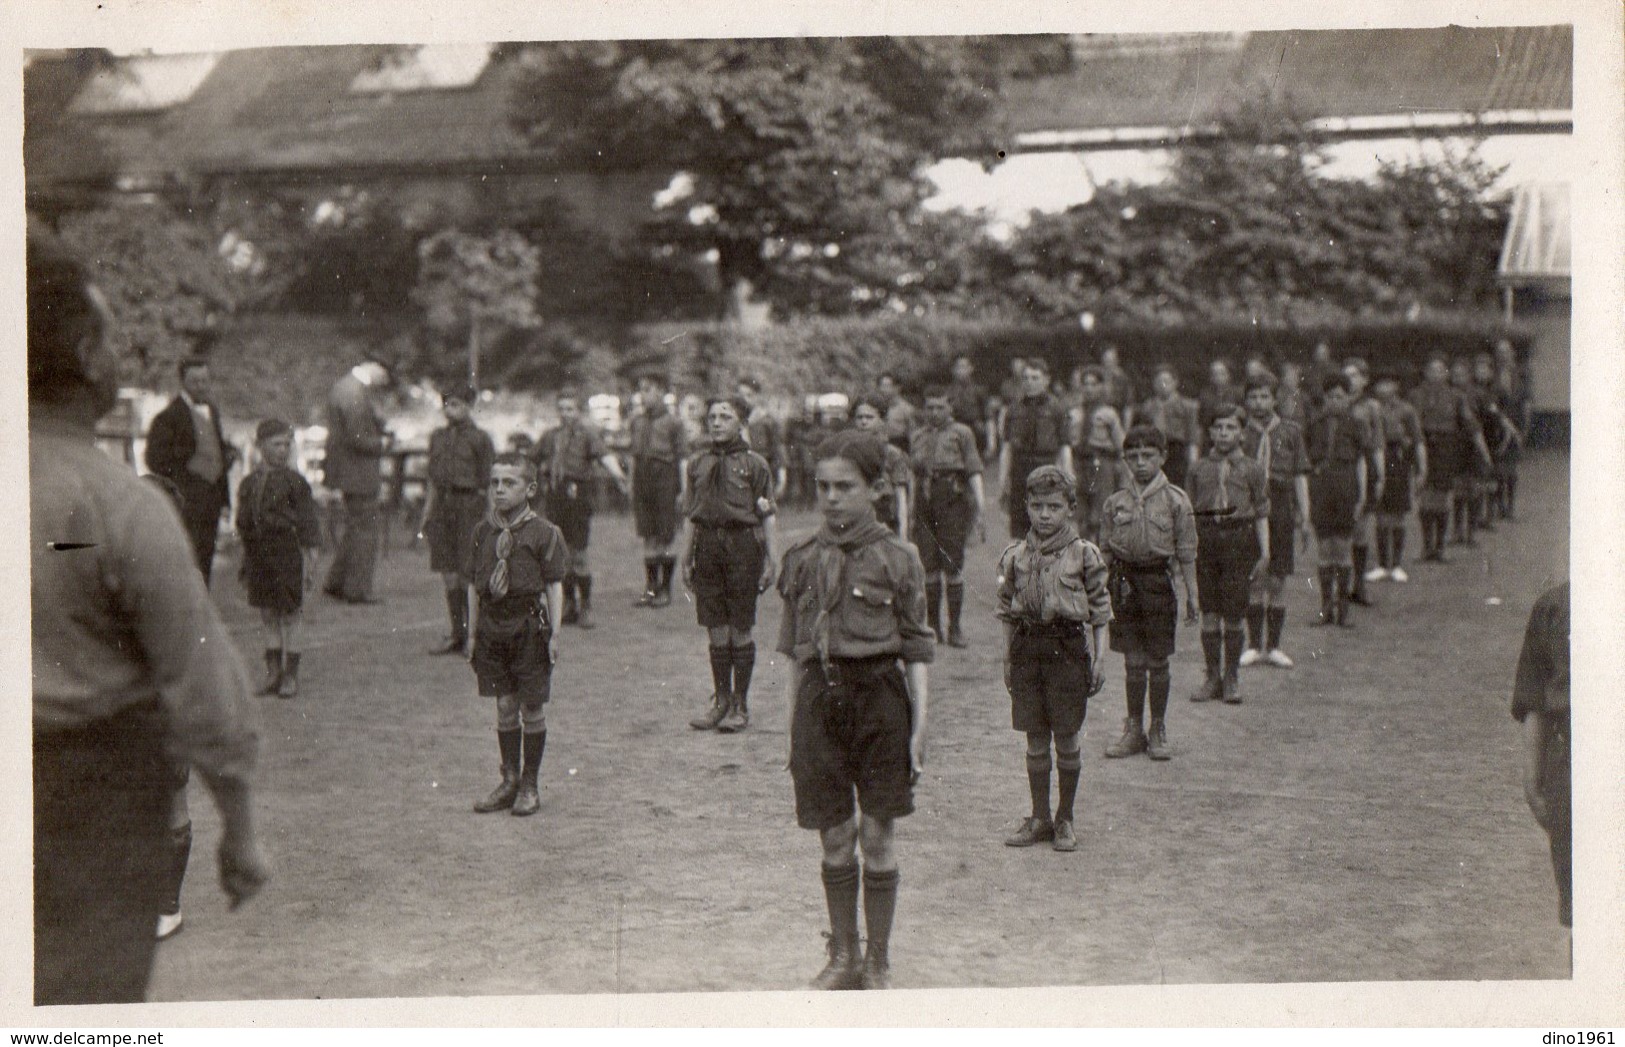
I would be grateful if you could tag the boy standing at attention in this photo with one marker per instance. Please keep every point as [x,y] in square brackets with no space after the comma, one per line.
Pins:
[1277,445]
[948,479]
[1175,417]
[1145,528]
[566,456]
[1034,434]
[1231,500]
[893,507]
[460,455]
[1054,606]
[519,566]
[854,610]
[658,449]
[1338,447]
[276,519]
[1368,413]
[728,557]
[1405,459]
[1098,453]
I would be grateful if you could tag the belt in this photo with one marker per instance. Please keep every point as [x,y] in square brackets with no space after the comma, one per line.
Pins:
[839,669]
[1145,567]
[1222,523]
[726,525]
[1054,627]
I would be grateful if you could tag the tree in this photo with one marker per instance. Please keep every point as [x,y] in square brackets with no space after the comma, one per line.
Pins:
[477,287]
[794,158]
[165,281]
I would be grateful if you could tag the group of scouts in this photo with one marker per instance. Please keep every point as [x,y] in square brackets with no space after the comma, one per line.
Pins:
[1107,505]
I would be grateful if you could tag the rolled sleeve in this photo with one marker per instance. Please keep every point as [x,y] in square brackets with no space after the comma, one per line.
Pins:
[919,640]
[1184,530]
[1094,584]
[1006,611]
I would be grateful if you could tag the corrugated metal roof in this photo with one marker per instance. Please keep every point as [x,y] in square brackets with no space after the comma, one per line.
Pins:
[1539,244]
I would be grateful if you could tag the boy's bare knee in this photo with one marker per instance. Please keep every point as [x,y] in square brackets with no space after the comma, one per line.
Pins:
[877,836]
[1037,743]
[840,843]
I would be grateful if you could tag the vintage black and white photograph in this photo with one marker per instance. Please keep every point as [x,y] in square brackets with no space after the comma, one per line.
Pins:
[802,512]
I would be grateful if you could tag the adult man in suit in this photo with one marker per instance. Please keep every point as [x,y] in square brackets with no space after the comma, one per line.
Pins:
[356,443]
[186,446]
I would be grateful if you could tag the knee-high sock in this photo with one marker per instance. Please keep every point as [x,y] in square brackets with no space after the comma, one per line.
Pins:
[1397,556]
[1038,783]
[1255,626]
[933,605]
[1361,554]
[722,671]
[841,897]
[1212,646]
[457,611]
[1328,591]
[1161,680]
[535,743]
[584,589]
[1384,558]
[879,907]
[1232,647]
[1277,624]
[668,568]
[651,574]
[1134,681]
[956,602]
[744,663]
[1068,767]
[180,850]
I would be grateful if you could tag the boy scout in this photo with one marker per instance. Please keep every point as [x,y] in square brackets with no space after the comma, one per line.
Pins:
[1450,433]
[1034,434]
[1231,500]
[854,608]
[1276,444]
[1054,606]
[1145,528]
[728,557]
[893,506]
[1175,417]
[1097,441]
[520,562]
[1405,458]
[460,455]
[564,458]
[1339,446]
[763,433]
[1367,411]
[948,480]
[659,446]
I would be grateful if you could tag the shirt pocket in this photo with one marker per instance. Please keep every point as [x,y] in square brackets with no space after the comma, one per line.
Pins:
[736,487]
[872,613]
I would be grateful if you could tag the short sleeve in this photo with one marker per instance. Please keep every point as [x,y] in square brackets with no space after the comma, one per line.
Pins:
[555,557]
[1006,593]
[787,621]
[1184,527]
[919,639]
[762,487]
[1094,584]
[967,447]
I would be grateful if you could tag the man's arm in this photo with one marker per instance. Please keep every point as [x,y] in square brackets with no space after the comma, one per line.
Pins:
[792,687]
[612,466]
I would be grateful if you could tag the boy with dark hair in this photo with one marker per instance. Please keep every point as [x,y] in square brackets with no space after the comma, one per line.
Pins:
[519,566]
[460,455]
[763,432]
[1034,434]
[893,506]
[1175,416]
[276,520]
[969,402]
[1365,410]
[1146,527]
[1405,459]
[1054,606]
[1230,497]
[659,447]
[1277,444]
[948,478]
[564,458]
[728,557]
[1097,441]
[1339,446]
[897,411]
[853,609]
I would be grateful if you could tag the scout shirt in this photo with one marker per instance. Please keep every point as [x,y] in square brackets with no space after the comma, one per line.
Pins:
[895,474]
[1401,424]
[460,457]
[1175,417]
[1145,525]
[275,500]
[1278,447]
[658,435]
[763,434]
[1232,481]
[881,608]
[1035,427]
[1338,439]
[1368,410]
[1443,409]
[729,484]
[538,559]
[949,448]
[1062,577]
[1100,428]
[567,453]
[968,401]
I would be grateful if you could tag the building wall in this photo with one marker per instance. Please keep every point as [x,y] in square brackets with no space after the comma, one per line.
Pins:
[1547,315]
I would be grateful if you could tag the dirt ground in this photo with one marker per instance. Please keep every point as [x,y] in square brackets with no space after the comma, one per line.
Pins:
[1357,818]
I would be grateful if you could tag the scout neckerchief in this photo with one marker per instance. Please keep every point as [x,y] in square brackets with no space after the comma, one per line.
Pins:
[1140,494]
[717,473]
[1032,593]
[505,529]
[1264,434]
[833,549]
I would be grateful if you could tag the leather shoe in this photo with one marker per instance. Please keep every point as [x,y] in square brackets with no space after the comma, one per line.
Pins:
[1032,831]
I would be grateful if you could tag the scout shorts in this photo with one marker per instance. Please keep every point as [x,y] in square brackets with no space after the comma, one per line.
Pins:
[1225,555]
[513,659]
[569,505]
[1145,611]
[727,569]
[850,739]
[1049,682]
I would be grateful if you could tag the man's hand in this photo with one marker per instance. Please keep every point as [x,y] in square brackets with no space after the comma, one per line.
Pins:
[916,756]
[553,648]
[688,570]
[1193,613]
[1097,677]
[243,869]
[1260,569]
[765,582]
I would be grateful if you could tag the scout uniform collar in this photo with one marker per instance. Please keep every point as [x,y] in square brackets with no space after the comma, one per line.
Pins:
[1063,537]
[1151,487]
[732,446]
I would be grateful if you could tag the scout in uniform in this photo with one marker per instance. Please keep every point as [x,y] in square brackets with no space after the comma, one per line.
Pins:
[460,455]
[1277,445]
[1034,434]
[1405,458]
[520,563]
[1450,434]
[1367,411]
[853,610]
[728,557]
[565,457]
[948,479]
[897,411]
[763,432]
[1501,437]
[970,402]
[1512,394]
[1219,394]
[1230,496]
[1146,528]
[1097,441]
[1054,606]
[893,506]
[1175,416]
[276,520]
[1339,448]
[1540,701]
[659,447]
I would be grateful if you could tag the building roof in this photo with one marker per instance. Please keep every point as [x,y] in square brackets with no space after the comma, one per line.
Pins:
[1322,73]
[1539,243]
